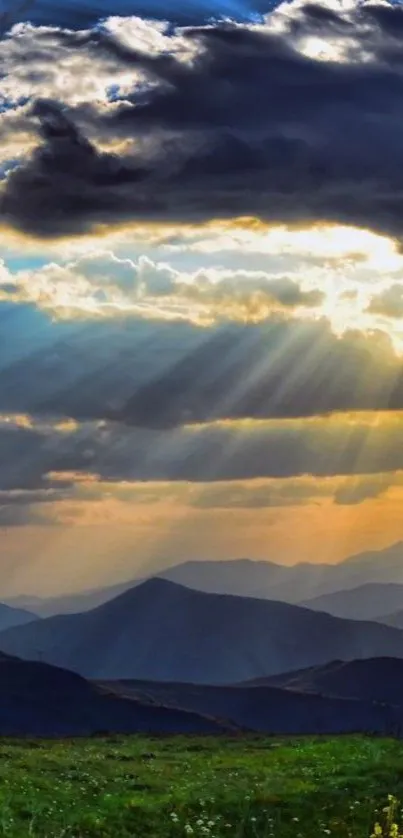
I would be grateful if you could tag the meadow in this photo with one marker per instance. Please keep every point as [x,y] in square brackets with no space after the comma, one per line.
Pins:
[175,787]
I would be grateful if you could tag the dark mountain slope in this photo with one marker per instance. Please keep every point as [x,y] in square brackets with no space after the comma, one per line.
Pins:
[268,709]
[374,679]
[41,700]
[162,631]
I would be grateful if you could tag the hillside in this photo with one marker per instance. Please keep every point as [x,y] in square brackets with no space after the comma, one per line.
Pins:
[367,602]
[267,709]
[162,631]
[41,700]
[376,679]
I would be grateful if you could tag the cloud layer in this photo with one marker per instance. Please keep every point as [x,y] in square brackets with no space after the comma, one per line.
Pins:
[203,134]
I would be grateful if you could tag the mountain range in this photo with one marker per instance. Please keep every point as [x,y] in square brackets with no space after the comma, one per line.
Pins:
[367,602]
[163,631]
[41,700]
[302,583]
[164,656]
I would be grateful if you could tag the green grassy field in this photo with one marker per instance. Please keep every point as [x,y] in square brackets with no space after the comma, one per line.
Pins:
[161,788]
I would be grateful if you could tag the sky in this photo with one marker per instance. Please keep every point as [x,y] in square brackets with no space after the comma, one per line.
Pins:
[201,285]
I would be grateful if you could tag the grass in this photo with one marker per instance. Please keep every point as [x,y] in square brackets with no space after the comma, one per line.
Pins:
[174,787]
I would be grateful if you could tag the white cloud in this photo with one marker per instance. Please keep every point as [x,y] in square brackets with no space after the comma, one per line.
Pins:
[101,284]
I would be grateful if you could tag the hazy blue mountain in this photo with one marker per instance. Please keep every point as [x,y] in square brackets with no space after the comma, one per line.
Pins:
[162,631]
[295,583]
[241,577]
[71,603]
[10,616]
[244,577]
[367,602]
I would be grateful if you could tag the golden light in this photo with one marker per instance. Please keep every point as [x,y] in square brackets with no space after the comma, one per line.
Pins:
[346,264]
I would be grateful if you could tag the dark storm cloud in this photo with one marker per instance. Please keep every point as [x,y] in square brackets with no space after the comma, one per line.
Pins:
[250,127]
[47,463]
[155,374]
[27,456]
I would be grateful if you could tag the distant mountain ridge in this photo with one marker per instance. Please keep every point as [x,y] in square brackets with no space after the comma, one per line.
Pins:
[296,584]
[162,631]
[367,602]
[10,616]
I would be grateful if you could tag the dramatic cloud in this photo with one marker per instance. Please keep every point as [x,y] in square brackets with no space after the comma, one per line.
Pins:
[47,459]
[322,141]
[101,284]
[65,474]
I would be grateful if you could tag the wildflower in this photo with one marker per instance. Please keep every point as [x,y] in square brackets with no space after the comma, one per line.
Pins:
[188,829]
